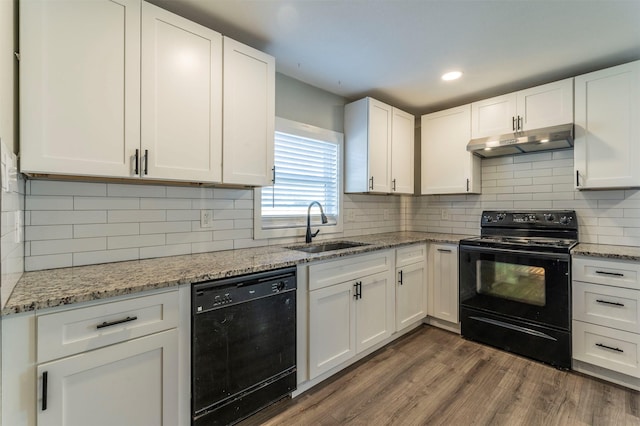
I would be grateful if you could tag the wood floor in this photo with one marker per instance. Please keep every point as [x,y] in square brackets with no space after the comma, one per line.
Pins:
[433,377]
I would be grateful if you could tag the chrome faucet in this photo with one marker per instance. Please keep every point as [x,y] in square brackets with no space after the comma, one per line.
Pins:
[323,217]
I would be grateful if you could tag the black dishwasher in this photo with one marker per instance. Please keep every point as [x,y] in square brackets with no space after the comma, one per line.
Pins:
[243,345]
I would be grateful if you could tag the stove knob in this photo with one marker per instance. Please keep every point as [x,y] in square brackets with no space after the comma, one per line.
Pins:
[500,216]
[565,220]
[488,219]
[549,217]
[280,286]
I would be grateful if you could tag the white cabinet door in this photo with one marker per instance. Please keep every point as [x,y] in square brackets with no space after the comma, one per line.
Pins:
[131,383]
[411,288]
[446,165]
[374,311]
[402,140]
[332,333]
[80,87]
[380,116]
[547,105]
[607,128]
[494,116]
[443,282]
[181,136]
[248,116]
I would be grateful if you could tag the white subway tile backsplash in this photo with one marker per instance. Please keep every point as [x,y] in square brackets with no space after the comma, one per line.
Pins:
[189,237]
[165,203]
[182,192]
[104,256]
[129,241]
[48,232]
[206,246]
[36,263]
[105,230]
[50,187]
[166,250]
[42,217]
[183,215]
[124,190]
[116,216]
[165,227]
[54,202]
[47,247]
[105,203]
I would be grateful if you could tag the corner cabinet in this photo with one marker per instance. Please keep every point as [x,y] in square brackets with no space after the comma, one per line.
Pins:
[446,165]
[541,106]
[351,308]
[443,282]
[248,115]
[607,128]
[379,148]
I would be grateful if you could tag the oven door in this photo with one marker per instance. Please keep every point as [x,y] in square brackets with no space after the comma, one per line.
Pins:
[526,285]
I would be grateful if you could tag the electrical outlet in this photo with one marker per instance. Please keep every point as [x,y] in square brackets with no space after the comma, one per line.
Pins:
[206,218]
[445,214]
[385,214]
[351,215]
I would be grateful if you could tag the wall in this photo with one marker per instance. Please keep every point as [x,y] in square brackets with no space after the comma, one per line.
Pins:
[533,181]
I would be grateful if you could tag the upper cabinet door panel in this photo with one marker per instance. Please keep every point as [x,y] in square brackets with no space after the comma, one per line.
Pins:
[181,97]
[380,116]
[547,105]
[249,115]
[494,116]
[607,128]
[402,140]
[80,86]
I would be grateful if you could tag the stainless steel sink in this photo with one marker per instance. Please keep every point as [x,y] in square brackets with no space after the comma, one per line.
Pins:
[330,246]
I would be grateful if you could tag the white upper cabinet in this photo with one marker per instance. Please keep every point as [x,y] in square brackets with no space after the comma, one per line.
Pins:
[402,146]
[542,106]
[375,133]
[125,89]
[249,115]
[607,128]
[79,86]
[446,165]
[181,136]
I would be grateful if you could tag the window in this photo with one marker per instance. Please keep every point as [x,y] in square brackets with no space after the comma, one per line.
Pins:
[307,161]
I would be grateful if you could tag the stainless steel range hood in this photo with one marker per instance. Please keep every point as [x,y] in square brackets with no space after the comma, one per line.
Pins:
[556,137]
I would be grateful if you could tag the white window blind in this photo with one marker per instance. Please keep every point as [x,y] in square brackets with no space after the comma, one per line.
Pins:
[306,171]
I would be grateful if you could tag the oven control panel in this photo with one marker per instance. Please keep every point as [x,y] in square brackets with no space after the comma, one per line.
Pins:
[561,219]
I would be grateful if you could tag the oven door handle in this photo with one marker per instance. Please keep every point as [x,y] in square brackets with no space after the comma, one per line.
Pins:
[539,255]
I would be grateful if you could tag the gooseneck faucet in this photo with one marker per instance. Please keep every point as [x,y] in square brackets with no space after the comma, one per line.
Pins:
[323,217]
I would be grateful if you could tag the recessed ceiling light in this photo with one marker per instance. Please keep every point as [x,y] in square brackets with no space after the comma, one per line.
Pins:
[453,75]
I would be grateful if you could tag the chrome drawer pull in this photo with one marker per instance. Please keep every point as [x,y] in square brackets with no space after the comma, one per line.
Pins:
[606,302]
[615,274]
[109,324]
[609,347]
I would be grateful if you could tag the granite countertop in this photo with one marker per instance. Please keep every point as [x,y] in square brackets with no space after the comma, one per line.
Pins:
[65,286]
[607,251]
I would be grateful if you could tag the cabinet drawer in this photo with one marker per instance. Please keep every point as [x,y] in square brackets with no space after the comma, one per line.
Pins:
[412,254]
[607,306]
[610,272]
[348,268]
[606,347]
[78,330]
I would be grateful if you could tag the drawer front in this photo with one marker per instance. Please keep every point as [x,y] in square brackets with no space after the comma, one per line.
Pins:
[412,254]
[73,331]
[607,306]
[609,272]
[348,268]
[606,347]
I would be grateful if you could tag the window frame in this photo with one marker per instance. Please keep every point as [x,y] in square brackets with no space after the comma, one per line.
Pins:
[293,228]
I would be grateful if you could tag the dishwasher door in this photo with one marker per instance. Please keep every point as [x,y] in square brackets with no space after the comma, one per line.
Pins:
[243,347]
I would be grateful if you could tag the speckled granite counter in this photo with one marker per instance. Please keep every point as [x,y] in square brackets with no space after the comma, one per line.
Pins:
[64,286]
[607,251]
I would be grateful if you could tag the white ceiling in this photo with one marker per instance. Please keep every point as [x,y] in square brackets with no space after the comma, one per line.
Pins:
[396,50]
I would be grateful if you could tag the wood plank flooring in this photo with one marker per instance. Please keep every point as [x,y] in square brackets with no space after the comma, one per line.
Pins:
[433,377]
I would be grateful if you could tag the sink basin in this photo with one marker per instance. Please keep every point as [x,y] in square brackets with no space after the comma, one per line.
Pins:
[322,247]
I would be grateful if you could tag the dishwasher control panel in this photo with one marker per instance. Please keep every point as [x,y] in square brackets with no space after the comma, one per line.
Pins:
[220,293]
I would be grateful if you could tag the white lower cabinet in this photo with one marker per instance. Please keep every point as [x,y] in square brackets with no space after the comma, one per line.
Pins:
[606,319]
[443,282]
[351,310]
[131,383]
[411,285]
[110,363]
